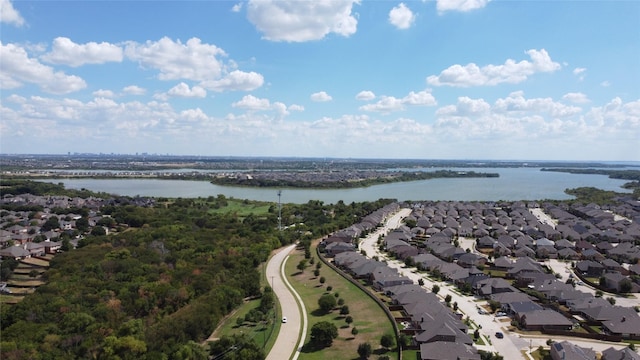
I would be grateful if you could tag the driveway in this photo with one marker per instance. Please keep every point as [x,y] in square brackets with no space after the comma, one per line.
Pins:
[293,331]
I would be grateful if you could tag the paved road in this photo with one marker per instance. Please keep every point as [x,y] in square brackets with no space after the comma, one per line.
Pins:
[292,332]
[509,346]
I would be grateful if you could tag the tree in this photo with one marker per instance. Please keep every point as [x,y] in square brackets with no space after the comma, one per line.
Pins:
[435,288]
[316,272]
[404,340]
[421,282]
[340,302]
[302,265]
[447,299]
[348,320]
[327,303]
[344,310]
[323,333]
[387,341]
[354,331]
[364,350]
[611,300]
[322,279]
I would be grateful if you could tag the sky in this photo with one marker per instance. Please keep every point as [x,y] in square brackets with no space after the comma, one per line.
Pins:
[437,79]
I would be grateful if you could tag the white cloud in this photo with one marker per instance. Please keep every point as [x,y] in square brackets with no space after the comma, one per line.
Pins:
[175,60]
[236,81]
[401,16]
[388,104]
[134,90]
[103,93]
[510,72]
[194,61]
[252,103]
[66,52]
[237,7]
[516,103]
[298,21]
[365,95]
[182,90]
[580,73]
[18,68]
[465,107]
[460,5]
[578,98]
[9,15]
[321,97]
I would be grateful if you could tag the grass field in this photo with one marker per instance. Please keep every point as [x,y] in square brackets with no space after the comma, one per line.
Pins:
[263,334]
[369,318]
[243,208]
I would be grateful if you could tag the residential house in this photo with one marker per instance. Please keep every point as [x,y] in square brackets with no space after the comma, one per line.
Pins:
[545,319]
[622,354]
[440,350]
[565,350]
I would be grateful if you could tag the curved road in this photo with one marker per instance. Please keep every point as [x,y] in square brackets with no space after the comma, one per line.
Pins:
[292,333]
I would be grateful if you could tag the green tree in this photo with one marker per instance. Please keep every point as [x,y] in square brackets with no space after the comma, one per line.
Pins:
[435,289]
[364,350]
[344,310]
[348,320]
[387,341]
[323,333]
[327,302]
[302,265]
[322,280]
[354,331]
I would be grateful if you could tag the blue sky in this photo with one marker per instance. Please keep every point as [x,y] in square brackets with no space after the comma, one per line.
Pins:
[445,79]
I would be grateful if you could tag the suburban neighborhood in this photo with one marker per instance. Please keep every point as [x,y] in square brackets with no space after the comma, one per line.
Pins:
[568,272]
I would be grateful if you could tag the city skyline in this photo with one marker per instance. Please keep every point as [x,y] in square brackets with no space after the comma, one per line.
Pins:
[452,79]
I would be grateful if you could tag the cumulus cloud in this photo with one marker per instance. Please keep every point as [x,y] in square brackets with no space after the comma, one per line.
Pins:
[510,72]
[194,61]
[66,52]
[182,90]
[134,90]
[175,60]
[517,103]
[465,107]
[321,96]
[250,102]
[236,81]
[254,104]
[460,5]
[578,98]
[366,95]
[104,93]
[9,15]
[388,104]
[18,68]
[299,21]
[401,16]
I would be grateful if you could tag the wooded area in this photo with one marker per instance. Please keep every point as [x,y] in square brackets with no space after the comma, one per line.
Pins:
[158,288]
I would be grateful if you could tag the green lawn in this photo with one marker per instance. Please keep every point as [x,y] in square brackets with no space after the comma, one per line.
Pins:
[369,318]
[263,333]
[243,208]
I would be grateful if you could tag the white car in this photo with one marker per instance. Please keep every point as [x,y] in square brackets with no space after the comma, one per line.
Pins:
[284,319]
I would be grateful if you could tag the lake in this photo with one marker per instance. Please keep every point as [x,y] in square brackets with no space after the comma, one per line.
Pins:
[512,185]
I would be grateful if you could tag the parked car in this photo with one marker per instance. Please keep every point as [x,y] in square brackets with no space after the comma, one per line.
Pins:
[284,319]
[501,313]
[499,335]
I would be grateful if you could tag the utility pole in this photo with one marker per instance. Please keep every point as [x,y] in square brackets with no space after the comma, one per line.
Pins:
[279,211]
